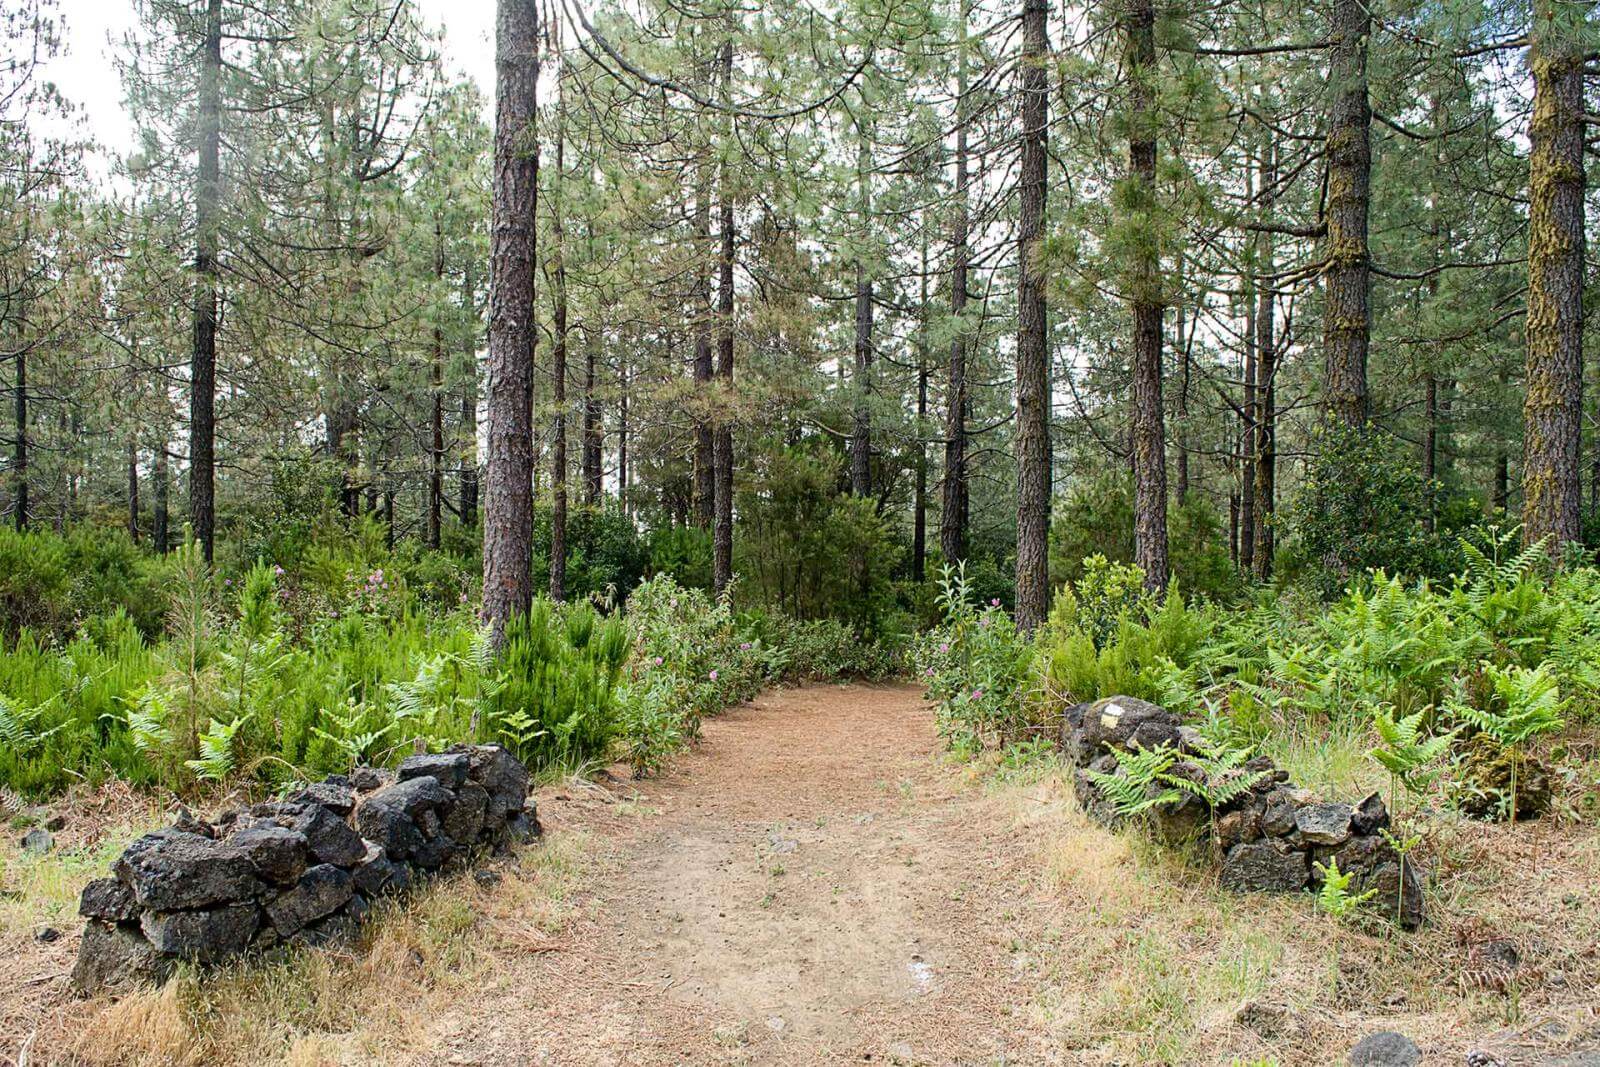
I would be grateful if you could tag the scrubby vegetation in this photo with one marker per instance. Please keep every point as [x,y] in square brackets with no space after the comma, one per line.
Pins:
[1478,694]
[166,672]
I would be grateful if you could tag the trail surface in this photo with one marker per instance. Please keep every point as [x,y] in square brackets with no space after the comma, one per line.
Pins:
[810,884]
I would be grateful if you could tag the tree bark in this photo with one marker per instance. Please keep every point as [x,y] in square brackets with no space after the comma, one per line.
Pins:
[436,415]
[919,522]
[593,425]
[159,518]
[954,505]
[861,434]
[203,355]
[1552,409]
[1033,351]
[133,489]
[1266,461]
[469,416]
[1347,314]
[704,436]
[722,448]
[1149,432]
[19,447]
[508,505]
[558,359]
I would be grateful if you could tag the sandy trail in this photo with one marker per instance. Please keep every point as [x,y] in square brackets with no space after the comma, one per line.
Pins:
[810,884]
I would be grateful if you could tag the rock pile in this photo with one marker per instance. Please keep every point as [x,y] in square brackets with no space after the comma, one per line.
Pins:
[301,870]
[1271,838]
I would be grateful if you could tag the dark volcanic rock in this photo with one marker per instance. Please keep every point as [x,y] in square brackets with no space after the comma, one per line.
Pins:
[171,870]
[366,779]
[206,936]
[330,838]
[113,958]
[1278,816]
[449,769]
[388,826]
[108,899]
[38,841]
[321,891]
[1369,816]
[412,796]
[376,871]
[502,776]
[1323,824]
[1386,1049]
[1265,866]
[279,854]
[1239,826]
[465,821]
[434,852]
[524,826]
[337,797]
[1127,723]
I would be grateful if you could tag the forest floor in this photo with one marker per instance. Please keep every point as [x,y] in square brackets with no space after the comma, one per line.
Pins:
[815,882]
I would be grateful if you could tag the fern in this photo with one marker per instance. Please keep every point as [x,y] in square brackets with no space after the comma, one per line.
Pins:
[1531,703]
[1406,752]
[1334,897]
[1128,789]
[19,727]
[1224,779]
[216,759]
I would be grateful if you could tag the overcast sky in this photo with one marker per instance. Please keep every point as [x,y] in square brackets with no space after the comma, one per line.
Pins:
[86,75]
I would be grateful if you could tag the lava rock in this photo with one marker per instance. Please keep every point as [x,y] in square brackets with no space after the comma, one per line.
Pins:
[321,891]
[465,821]
[368,779]
[185,820]
[330,838]
[449,769]
[412,796]
[279,854]
[1369,816]
[434,852]
[524,826]
[376,872]
[487,878]
[113,958]
[38,841]
[337,797]
[503,776]
[1239,826]
[1128,723]
[1278,816]
[205,936]
[1385,1049]
[388,826]
[1070,741]
[1323,824]
[1265,866]
[108,899]
[171,870]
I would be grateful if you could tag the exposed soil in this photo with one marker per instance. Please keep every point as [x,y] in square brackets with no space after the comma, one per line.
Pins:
[811,884]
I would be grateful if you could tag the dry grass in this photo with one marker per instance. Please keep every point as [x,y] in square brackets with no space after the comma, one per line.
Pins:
[1153,963]
[309,1007]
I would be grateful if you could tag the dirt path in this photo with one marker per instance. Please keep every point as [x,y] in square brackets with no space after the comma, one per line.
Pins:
[810,884]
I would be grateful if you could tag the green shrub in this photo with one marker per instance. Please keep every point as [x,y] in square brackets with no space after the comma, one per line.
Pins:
[976,668]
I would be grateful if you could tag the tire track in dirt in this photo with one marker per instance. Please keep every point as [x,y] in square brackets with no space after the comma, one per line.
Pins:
[810,884]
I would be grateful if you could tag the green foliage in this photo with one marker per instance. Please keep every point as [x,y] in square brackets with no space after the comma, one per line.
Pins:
[1140,782]
[1334,897]
[606,554]
[1406,751]
[50,583]
[1361,504]
[976,668]
[1107,637]
[810,551]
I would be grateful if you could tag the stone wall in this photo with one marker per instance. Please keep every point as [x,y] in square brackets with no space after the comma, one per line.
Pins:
[1269,839]
[302,870]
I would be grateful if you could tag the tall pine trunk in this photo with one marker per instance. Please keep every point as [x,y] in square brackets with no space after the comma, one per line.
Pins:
[468,505]
[953,512]
[861,432]
[1552,409]
[593,426]
[19,444]
[203,355]
[508,504]
[133,489]
[722,447]
[919,521]
[436,414]
[1347,313]
[160,490]
[1033,352]
[1149,431]
[704,435]
[1265,445]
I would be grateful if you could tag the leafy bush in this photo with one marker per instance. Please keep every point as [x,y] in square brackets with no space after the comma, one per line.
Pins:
[976,668]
